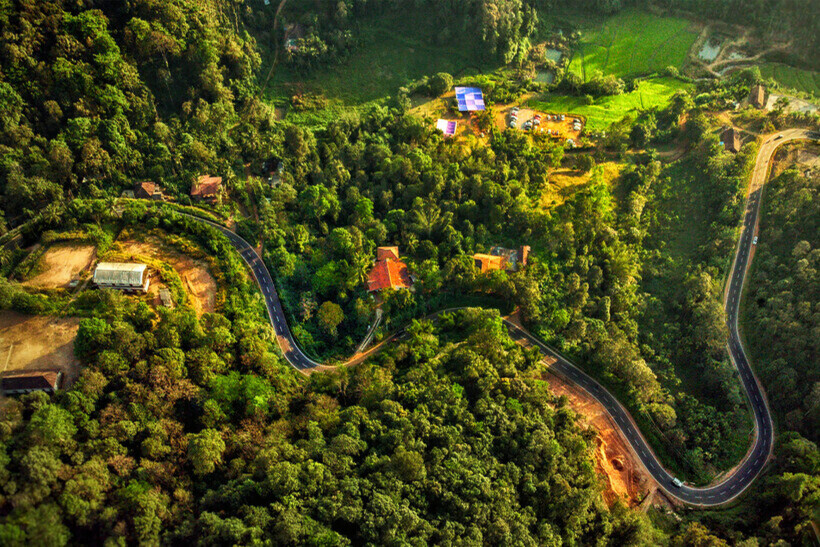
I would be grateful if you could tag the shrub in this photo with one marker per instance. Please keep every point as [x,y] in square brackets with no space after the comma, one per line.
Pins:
[440,83]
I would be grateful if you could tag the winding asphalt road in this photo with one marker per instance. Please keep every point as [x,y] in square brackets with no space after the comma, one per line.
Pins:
[757,456]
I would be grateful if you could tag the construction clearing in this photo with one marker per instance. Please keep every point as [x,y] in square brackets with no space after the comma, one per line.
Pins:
[198,283]
[31,342]
[61,263]
[624,475]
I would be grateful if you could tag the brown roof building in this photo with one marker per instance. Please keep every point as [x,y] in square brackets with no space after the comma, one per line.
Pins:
[147,190]
[757,96]
[26,381]
[389,272]
[501,258]
[207,188]
[488,263]
[383,253]
[731,140]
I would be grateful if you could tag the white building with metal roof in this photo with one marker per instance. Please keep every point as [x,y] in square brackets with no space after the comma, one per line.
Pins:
[121,276]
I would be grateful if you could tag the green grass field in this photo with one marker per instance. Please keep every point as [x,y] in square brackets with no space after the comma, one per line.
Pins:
[795,78]
[649,94]
[632,43]
[395,52]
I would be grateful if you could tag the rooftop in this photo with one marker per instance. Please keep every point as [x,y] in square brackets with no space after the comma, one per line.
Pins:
[389,274]
[117,273]
[206,185]
[30,380]
[383,253]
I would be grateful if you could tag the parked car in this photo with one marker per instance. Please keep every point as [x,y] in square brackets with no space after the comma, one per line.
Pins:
[527,125]
[513,123]
[754,241]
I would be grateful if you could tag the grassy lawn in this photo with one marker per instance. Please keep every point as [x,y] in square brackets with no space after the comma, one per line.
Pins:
[395,52]
[649,94]
[795,78]
[633,43]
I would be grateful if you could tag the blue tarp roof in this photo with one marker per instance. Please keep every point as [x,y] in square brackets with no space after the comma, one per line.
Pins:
[469,99]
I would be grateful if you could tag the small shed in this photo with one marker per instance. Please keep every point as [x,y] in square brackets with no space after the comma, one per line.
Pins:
[731,140]
[122,276]
[166,298]
[26,381]
[757,96]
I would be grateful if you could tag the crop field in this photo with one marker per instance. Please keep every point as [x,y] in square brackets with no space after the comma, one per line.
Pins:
[393,54]
[606,110]
[633,43]
[794,78]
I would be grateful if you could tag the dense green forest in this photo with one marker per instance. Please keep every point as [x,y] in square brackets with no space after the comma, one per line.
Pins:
[186,429]
[781,319]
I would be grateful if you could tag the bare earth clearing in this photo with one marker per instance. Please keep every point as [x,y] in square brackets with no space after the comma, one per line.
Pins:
[38,342]
[60,263]
[197,280]
[624,476]
[803,156]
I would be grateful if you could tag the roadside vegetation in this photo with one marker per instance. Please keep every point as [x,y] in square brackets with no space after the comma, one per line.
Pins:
[780,320]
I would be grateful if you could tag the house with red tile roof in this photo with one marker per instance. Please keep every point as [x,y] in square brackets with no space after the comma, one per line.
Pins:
[383,253]
[389,272]
[207,188]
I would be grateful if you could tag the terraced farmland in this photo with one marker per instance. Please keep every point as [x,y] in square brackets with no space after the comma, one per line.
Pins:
[795,78]
[633,43]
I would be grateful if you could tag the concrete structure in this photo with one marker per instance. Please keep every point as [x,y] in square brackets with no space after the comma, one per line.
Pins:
[207,188]
[388,272]
[757,96]
[730,139]
[501,258]
[166,298]
[123,277]
[26,381]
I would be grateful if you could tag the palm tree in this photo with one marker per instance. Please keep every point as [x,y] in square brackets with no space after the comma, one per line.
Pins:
[425,219]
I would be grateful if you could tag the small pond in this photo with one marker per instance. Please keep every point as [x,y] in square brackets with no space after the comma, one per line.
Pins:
[545,76]
[710,49]
[552,55]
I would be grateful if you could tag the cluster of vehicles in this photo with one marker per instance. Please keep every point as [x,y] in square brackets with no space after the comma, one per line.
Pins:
[535,121]
[514,117]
